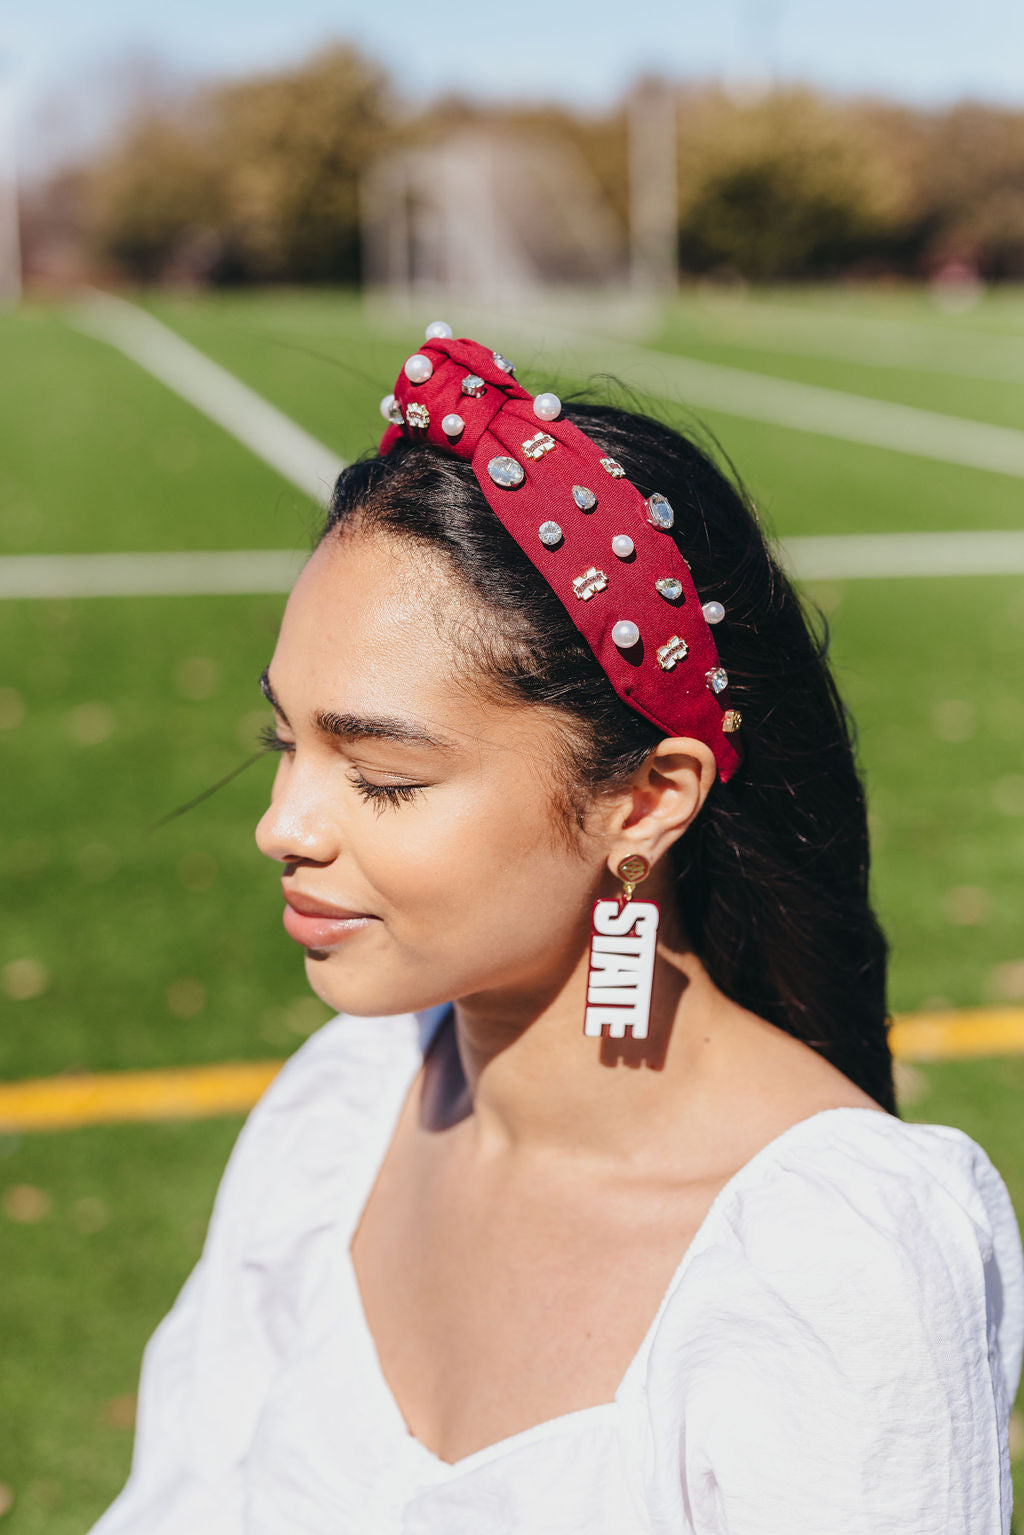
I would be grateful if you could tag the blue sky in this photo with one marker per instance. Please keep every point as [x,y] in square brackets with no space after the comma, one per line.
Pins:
[926,51]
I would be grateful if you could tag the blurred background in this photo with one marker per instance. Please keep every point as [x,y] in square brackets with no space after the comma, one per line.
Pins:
[792,228]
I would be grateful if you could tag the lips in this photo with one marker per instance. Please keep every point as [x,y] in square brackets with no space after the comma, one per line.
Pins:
[317,924]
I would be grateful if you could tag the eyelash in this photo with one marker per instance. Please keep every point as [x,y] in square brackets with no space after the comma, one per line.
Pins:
[379,794]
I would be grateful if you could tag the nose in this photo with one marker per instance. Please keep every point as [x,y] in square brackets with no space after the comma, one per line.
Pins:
[296,828]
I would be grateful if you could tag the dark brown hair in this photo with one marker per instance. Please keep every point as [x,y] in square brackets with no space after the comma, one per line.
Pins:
[773,874]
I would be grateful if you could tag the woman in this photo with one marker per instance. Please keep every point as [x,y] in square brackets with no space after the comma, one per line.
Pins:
[591,1211]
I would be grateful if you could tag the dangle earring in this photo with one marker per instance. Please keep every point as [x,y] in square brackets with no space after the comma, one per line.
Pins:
[623,940]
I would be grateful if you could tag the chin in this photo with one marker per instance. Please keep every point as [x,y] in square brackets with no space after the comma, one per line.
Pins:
[366,994]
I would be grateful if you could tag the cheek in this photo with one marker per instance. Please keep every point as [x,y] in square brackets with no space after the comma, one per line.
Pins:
[473,865]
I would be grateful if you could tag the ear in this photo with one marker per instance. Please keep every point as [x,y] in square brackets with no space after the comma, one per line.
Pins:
[662,799]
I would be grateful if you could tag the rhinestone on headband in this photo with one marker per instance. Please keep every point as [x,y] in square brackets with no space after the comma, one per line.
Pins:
[550,534]
[717,679]
[506,472]
[659,511]
[502,362]
[391,410]
[670,588]
[584,498]
[473,385]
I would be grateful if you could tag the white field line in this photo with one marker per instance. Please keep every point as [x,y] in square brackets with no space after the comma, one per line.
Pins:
[258,425]
[210,573]
[255,571]
[313,467]
[853,556]
[777,401]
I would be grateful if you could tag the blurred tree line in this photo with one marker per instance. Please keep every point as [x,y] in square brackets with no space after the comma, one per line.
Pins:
[258,181]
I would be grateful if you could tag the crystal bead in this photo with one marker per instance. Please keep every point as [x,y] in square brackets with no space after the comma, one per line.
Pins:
[549,534]
[670,588]
[622,545]
[503,363]
[625,634]
[659,511]
[438,330]
[584,498]
[713,612]
[391,410]
[453,425]
[506,472]
[547,407]
[717,679]
[473,385]
[418,368]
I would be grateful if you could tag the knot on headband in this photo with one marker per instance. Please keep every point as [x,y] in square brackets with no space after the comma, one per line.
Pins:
[605,550]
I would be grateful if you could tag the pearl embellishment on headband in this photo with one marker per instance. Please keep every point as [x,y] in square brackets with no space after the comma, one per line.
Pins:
[713,612]
[625,634]
[622,545]
[547,407]
[453,425]
[418,368]
[438,330]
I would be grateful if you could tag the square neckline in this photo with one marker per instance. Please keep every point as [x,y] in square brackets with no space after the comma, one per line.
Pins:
[418,1044]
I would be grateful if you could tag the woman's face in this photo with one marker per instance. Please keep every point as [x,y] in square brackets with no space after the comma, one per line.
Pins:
[407,801]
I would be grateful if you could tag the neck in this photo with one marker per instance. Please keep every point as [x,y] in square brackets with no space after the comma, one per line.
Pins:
[536,1081]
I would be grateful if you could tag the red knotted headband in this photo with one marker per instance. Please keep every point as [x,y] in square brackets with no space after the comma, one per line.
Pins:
[602,548]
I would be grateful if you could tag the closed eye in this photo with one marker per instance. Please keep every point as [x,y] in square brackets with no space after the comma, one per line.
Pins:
[272,742]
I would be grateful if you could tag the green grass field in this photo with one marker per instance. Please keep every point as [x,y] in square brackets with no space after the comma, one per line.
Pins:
[123,946]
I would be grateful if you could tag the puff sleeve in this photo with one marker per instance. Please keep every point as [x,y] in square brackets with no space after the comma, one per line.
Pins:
[211,1362]
[843,1354]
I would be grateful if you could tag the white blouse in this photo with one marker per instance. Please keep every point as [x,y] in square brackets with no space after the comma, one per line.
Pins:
[836,1353]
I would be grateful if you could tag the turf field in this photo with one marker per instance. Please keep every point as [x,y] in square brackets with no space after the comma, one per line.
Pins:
[126,946]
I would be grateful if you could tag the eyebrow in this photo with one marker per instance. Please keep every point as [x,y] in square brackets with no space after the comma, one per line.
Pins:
[366,727]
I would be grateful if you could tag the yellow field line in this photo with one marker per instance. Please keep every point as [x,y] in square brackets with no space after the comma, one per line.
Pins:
[197,1092]
[954,1035]
[192,1092]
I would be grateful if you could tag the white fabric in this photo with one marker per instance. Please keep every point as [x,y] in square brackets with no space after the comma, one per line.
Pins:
[836,1354]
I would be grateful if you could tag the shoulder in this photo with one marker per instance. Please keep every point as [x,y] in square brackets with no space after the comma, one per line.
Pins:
[850,1318]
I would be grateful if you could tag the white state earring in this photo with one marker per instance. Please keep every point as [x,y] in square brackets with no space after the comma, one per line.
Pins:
[623,942]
